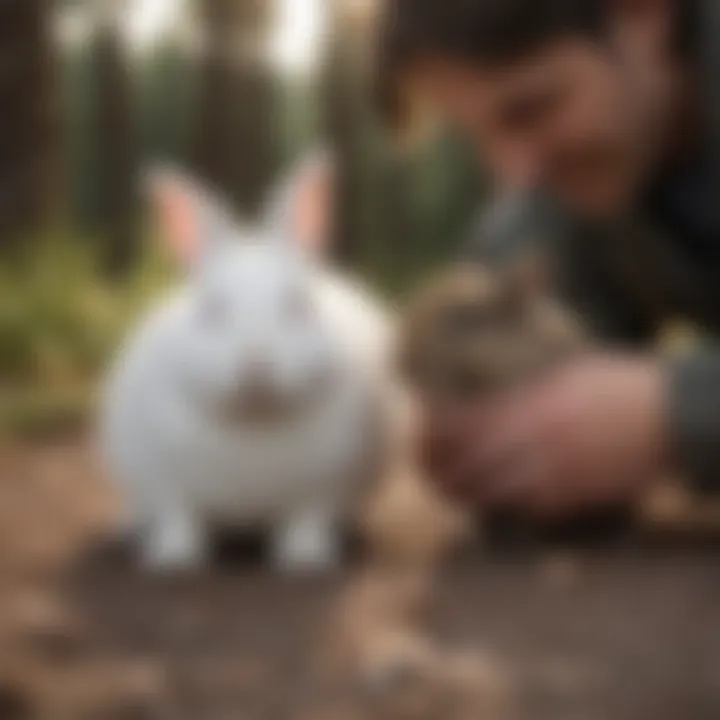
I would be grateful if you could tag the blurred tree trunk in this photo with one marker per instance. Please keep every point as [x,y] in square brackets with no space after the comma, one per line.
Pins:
[236,137]
[397,220]
[345,123]
[115,162]
[28,136]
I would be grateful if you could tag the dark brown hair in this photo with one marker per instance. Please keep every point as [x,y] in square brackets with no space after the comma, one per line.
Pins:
[488,32]
[477,31]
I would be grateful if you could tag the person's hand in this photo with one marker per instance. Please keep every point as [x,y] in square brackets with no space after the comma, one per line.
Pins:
[589,435]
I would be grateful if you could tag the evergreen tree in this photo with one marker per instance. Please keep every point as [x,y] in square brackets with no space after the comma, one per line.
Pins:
[28,141]
[236,125]
[114,153]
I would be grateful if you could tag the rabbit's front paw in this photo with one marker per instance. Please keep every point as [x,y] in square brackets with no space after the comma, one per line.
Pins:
[176,542]
[306,542]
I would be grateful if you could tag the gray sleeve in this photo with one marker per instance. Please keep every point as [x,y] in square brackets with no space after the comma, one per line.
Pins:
[516,222]
[695,418]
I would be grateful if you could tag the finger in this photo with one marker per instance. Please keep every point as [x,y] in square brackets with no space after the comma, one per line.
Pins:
[465,487]
[512,426]
[521,482]
[436,441]
[503,455]
[482,443]
[558,494]
[496,480]
[447,433]
[436,453]
[463,415]
[464,492]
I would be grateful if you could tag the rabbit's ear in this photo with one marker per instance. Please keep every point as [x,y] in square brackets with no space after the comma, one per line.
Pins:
[191,221]
[301,208]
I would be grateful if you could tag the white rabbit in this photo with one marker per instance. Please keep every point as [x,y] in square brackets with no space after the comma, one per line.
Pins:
[253,396]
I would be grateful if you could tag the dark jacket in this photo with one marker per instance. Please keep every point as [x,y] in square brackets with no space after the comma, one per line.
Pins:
[663,264]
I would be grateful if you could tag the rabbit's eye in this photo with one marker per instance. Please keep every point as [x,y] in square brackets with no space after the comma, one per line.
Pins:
[213,311]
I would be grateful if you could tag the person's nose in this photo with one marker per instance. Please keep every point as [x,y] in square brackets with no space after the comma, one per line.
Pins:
[520,164]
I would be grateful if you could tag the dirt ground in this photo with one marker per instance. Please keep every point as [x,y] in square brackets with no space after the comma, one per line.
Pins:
[85,636]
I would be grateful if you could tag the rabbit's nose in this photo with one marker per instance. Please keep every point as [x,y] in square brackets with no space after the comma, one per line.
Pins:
[257,394]
[258,376]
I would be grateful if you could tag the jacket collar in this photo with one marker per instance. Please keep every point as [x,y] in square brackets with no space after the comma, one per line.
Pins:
[708,48]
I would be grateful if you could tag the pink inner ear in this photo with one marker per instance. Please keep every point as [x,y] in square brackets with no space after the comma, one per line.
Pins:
[178,222]
[313,209]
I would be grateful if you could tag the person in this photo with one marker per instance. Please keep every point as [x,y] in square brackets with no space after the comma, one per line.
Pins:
[600,121]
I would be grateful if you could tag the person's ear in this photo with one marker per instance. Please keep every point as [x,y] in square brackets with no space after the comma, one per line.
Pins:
[300,211]
[191,221]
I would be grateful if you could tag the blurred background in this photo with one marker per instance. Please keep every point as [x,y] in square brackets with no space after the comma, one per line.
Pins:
[232,90]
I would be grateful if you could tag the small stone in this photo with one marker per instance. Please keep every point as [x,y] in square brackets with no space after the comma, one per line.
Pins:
[46,628]
[561,572]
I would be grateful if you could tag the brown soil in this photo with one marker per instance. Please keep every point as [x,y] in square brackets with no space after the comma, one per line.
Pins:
[628,635]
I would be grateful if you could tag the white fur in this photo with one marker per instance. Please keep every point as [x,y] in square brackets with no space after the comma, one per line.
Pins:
[183,464]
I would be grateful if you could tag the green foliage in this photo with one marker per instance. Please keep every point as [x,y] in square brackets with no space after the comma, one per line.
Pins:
[60,317]
[33,413]
[409,219]
[61,320]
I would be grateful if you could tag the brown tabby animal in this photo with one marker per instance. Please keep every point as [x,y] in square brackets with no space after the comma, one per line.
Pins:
[474,331]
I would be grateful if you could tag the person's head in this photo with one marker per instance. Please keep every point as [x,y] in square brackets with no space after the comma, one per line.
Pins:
[575,95]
